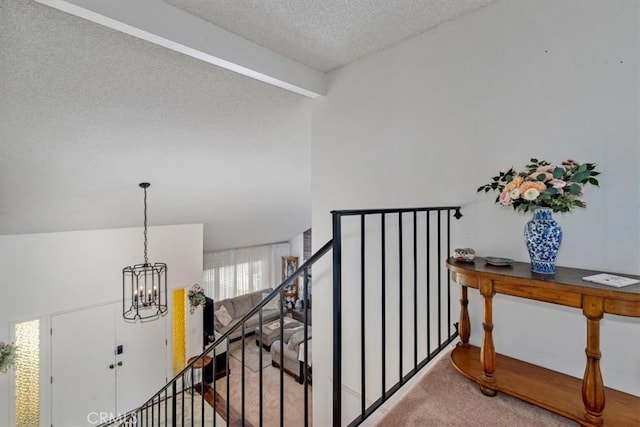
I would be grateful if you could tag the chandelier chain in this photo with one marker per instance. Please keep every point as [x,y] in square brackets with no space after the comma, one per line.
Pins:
[146,258]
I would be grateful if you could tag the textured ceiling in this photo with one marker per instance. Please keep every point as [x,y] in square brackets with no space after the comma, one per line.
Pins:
[88,112]
[329,33]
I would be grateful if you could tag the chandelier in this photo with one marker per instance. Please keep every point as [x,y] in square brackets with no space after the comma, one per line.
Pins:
[144,286]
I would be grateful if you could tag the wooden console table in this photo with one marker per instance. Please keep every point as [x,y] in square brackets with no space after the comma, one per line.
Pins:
[581,400]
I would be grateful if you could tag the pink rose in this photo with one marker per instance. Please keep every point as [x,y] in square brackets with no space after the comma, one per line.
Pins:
[505,198]
[570,162]
[545,169]
[558,183]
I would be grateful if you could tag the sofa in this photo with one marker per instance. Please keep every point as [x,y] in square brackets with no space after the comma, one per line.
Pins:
[292,359]
[227,312]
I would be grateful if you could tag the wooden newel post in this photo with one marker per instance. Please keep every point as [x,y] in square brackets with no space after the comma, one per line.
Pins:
[592,384]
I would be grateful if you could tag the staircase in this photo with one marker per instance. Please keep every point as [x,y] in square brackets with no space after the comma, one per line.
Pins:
[391,316]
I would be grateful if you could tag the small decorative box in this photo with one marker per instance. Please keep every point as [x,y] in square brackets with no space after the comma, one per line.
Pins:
[464,254]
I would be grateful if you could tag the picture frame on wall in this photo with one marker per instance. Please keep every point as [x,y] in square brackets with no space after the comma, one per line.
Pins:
[289,266]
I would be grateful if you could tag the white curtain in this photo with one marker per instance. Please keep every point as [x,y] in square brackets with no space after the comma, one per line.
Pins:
[239,271]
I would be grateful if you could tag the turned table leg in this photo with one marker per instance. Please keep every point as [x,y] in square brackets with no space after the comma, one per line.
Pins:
[465,326]
[487,352]
[592,385]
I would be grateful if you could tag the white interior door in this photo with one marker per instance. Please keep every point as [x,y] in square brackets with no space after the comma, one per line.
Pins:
[91,377]
[141,367]
[82,366]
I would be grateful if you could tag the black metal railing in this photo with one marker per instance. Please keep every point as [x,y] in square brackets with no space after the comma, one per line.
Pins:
[389,281]
[392,277]
[174,406]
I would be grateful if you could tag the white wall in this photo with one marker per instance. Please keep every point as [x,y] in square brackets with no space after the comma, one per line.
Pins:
[297,249]
[42,274]
[428,121]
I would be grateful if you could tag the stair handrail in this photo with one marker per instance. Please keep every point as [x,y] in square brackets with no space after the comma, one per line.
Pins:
[276,292]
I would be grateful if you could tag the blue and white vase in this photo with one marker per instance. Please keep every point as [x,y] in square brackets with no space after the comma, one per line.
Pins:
[543,236]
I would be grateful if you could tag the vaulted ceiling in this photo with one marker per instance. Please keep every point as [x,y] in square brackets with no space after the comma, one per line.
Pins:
[93,104]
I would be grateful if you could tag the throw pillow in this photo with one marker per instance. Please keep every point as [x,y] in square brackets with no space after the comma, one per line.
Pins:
[223,316]
[273,304]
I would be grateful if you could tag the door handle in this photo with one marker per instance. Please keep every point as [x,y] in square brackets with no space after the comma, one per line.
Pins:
[120,363]
[111,366]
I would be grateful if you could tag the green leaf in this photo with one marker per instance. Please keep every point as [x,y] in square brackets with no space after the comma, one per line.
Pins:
[541,177]
[582,168]
[580,177]
[534,160]
[574,189]
[593,181]
[558,173]
[480,189]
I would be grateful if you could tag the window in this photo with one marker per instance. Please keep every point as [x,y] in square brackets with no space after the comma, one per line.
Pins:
[27,394]
[239,271]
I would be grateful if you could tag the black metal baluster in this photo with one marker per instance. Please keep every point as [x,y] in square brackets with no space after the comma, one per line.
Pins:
[282,360]
[193,399]
[182,400]
[384,305]
[415,290]
[439,281]
[428,256]
[337,320]
[362,316]
[214,379]
[228,383]
[448,275]
[244,365]
[400,283]
[260,379]
[305,357]
[174,404]
[202,390]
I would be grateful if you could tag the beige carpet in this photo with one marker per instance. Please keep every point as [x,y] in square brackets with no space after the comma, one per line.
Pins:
[293,395]
[443,397]
[251,353]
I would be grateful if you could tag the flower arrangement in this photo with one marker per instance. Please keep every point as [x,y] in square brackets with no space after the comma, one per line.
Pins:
[196,297]
[7,356]
[543,185]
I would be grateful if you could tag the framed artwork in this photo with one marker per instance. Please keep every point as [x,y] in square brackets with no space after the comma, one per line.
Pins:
[289,266]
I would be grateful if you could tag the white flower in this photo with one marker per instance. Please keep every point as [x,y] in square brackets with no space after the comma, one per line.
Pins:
[515,193]
[531,194]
